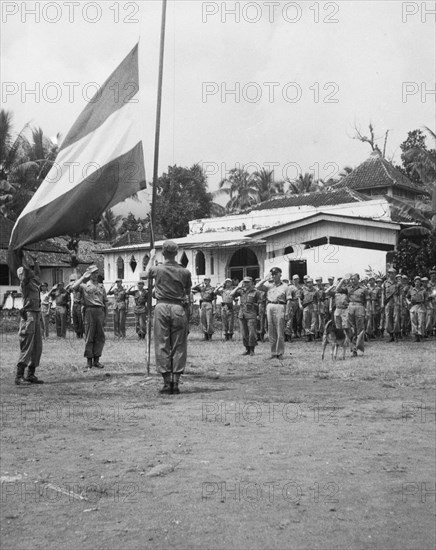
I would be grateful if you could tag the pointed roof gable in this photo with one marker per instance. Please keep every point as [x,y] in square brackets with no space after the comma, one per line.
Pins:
[374,172]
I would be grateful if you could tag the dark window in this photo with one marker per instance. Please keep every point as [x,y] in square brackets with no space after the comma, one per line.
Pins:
[297,267]
[184,260]
[200,263]
[4,275]
[120,268]
[145,261]
[212,265]
[57,275]
[133,264]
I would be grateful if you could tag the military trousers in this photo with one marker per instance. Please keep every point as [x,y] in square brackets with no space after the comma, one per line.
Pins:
[418,318]
[276,328]
[356,322]
[170,338]
[392,317]
[45,320]
[78,319]
[30,339]
[120,321]
[206,318]
[61,321]
[248,327]
[141,323]
[227,318]
[310,319]
[94,331]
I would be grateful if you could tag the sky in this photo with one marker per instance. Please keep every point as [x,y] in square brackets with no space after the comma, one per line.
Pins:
[280,85]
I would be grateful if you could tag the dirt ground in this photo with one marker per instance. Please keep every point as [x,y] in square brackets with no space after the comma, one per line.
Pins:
[253,454]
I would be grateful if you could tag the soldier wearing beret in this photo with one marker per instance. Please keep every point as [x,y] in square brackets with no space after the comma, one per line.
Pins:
[172,291]
[249,301]
[373,314]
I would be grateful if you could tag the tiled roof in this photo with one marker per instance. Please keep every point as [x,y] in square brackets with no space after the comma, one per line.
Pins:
[135,237]
[324,198]
[376,171]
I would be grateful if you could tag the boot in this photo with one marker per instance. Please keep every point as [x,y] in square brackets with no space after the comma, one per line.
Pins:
[206,336]
[230,335]
[97,363]
[309,338]
[176,383]
[19,377]
[251,350]
[417,338]
[88,363]
[392,339]
[166,388]
[31,376]
[247,351]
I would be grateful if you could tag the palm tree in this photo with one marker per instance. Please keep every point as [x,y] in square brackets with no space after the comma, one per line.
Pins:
[23,165]
[424,163]
[240,186]
[108,225]
[303,184]
[264,182]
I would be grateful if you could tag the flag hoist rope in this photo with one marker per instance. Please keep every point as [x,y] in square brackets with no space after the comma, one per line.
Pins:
[155,171]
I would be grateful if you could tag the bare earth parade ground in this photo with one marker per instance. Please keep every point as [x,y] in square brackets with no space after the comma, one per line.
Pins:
[254,453]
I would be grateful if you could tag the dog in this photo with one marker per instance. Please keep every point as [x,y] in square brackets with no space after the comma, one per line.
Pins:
[337,337]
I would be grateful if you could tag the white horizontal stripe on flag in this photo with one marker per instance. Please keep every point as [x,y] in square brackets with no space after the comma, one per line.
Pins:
[115,137]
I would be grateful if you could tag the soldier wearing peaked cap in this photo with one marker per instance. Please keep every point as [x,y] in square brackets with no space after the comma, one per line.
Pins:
[172,290]
[278,309]
[391,305]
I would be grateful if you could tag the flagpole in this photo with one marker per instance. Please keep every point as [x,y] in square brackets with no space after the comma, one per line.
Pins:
[155,170]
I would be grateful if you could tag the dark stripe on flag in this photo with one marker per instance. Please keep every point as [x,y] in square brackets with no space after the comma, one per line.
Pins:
[94,194]
[119,89]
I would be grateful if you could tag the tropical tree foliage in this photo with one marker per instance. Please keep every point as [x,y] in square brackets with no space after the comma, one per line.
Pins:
[182,196]
[24,163]
[266,186]
[241,188]
[304,183]
[108,228]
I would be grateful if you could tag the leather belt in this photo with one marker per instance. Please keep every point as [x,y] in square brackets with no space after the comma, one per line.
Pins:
[175,302]
[356,303]
[281,303]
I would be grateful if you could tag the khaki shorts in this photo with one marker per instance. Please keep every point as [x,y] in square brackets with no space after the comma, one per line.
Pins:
[341,318]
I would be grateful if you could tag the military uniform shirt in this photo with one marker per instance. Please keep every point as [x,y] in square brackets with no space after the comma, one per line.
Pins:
[417,296]
[30,290]
[173,282]
[93,295]
[358,294]
[276,293]
[248,303]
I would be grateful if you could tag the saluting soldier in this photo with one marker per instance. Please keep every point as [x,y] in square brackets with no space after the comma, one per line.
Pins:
[261,318]
[120,294]
[417,298]
[373,316]
[277,309]
[405,312]
[76,308]
[309,302]
[207,293]
[94,300]
[320,307]
[359,303]
[227,313]
[140,310]
[248,308]
[62,301]
[381,325]
[340,304]
[29,334]
[45,310]
[295,291]
[390,305]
